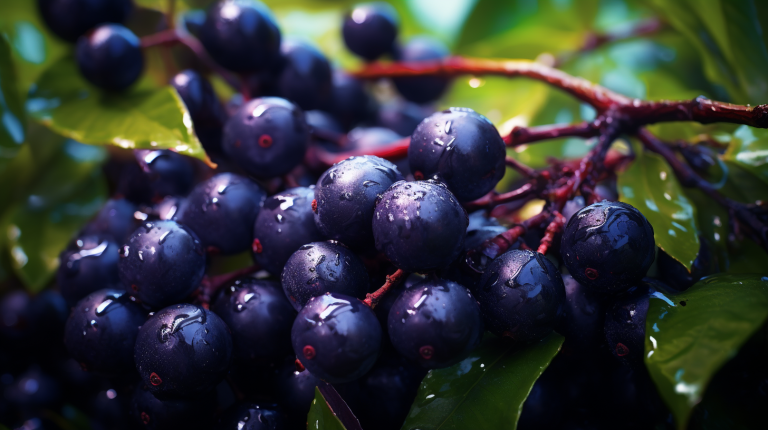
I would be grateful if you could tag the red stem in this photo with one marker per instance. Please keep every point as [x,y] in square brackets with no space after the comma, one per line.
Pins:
[553,229]
[373,298]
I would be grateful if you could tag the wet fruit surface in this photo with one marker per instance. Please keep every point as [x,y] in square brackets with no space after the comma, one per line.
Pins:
[88,264]
[110,57]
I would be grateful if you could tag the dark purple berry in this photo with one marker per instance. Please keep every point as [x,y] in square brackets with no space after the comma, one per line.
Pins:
[336,337]
[608,246]
[183,350]
[295,392]
[521,295]
[157,174]
[350,102]
[435,323]
[110,57]
[583,319]
[118,218]
[323,267]
[88,264]
[205,109]
[369,138]
[419,226]
[306,75]
[32,390]
[267,137]
[677,276]
[101,331]
[402,116]
[260,318]
[150,413]
[241,35]
[346,194]
[461,148]
[285,223]
[221,211]
[70,19]
[252,416]
[422,89]
[322,120]
[162,263]
[370,29]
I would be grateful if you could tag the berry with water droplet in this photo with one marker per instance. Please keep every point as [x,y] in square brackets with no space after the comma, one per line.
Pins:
[252,416]
[205,109]
[183,350]
[323,267]
[101,331]
[341,332]
[88,264]
[435,323]
[118,218]
[521,295]
[608,246]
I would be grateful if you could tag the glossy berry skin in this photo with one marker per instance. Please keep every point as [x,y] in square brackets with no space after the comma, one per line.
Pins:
[156,175]
[346,194]
[350,102]
[367,138]
[370,29]
[305,78]
[419,226]
[323,267]
[252,416]
[294,393]
[205,109]
[260,318]
[677,276]
[336,337]
[70,19]
[435,323]
[110,57]
[241,35]
[151,413]
[422,89]
[88,264]
[162,263]
[267,137]
[608,246]
[521,295]
[284,224]
[583,319]
[183,350]
[117,218]
[101,331]
[221,211]
[461,148]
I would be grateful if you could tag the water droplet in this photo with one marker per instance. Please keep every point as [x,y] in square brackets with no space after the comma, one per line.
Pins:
[367,184]
[164,236]
[280,219]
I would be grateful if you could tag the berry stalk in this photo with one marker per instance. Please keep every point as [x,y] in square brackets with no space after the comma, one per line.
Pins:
[372,299]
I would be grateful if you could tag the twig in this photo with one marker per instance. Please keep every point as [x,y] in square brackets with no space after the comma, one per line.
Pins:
[521,168]
[553,229]
[372,299]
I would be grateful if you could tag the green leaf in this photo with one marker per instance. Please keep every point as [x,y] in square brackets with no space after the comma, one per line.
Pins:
[484,391]
[686,345]
[321,417]
[61,197]
[141,117]
[12,115]
[749,149]
[650,185]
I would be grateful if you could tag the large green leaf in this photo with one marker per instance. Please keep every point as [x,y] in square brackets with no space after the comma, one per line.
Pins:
[688,340]
[12,115]
[321,417]
[729,39]
[484,391]
[650,185]
[59,198]
[141,117]
[749,148]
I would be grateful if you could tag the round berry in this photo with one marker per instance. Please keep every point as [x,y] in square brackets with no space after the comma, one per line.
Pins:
[678,276]
[521,295]
[241,35]
[608,246]
[370,30]
[267,137]
[402,116]
[350,103]
[336,337]
[306,75]
[252,416]
[205,109]
[461,148]
[101,331]
[150,413]
[221,211]
[260,318]
[183,350]
[118,218]
[70,19]
[422,89]
[323,267]
[295,391]
[166,209]
[162,263]
[346,194]
[157,174]
[419,226]
[436,323]
[284,224]
[88,264]
[583,319]
[322,120]
[110,57]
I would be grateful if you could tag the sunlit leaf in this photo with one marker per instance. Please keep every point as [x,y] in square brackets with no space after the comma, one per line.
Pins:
[321,417]
[749,148]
